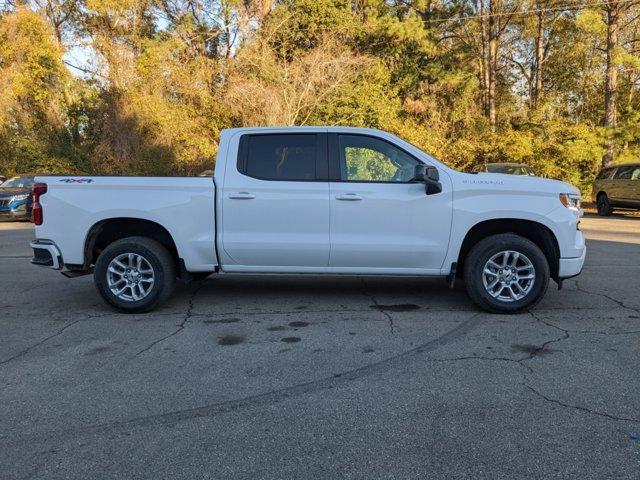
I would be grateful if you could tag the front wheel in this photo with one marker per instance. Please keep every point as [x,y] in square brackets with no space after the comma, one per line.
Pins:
[135,274]
[506,273]
[603,205]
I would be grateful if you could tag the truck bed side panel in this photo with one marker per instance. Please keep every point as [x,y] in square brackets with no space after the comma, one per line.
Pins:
[184,206]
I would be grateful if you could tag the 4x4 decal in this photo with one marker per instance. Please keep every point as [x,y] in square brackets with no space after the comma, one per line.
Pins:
[76,180]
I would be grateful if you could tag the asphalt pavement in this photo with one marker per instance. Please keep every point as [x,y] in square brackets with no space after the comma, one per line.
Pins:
[322,378]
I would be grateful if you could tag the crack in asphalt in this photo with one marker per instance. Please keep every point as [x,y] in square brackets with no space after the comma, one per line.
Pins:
[330,310]
[590,332]
[40,342]
[46,339]
[608,297]
[578,407]
[278,395]
[566,334]
[271,397]
[535,391]
[180,326]
[366,293]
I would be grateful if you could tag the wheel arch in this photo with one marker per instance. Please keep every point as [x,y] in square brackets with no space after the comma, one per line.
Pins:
[538,233]
[106,231]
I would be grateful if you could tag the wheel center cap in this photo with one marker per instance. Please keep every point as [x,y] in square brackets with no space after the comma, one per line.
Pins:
[133,275]
[507,274]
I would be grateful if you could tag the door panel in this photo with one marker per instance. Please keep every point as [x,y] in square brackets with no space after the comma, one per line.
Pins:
[287,223]
[621,184]
[381,221]
[393,226]
[277,221]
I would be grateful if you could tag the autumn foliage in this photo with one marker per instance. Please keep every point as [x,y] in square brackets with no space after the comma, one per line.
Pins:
[145,86]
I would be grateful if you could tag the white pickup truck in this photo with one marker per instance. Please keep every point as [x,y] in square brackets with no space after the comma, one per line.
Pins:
[312,200]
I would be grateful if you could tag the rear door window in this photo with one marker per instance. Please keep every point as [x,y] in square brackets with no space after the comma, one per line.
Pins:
[284,157]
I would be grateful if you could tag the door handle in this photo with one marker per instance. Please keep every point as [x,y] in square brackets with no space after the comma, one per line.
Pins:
[349,197]
[242,196]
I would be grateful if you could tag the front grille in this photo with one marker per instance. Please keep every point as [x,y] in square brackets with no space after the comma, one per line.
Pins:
[4,202]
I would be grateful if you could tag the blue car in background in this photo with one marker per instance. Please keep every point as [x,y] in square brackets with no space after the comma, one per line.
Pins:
[15,198]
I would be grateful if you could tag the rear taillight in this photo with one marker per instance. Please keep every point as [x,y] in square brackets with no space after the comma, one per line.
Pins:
[37,190]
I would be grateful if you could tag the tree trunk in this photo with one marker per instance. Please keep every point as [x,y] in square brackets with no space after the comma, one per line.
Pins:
[611,81]
[537,74]
[484,59]
[493,30]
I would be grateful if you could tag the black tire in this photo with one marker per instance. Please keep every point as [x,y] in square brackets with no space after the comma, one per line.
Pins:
[483,251]
[603,205]
[158,257]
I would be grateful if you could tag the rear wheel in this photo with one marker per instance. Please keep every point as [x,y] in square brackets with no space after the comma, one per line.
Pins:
[135,274]
[603,205]
[506,273]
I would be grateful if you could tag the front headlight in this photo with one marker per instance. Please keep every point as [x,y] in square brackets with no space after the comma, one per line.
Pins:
[571,201]
[15,198]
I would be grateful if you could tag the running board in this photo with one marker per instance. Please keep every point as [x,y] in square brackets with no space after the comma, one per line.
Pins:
[75,273]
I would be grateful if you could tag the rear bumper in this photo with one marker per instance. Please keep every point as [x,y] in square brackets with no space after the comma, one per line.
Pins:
[570,267]
[46,254]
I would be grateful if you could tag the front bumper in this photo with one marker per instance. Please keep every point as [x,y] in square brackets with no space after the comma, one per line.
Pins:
[46,254]
[570,267]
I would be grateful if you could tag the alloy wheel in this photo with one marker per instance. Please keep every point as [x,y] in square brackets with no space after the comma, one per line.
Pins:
[508,276]
[130,277]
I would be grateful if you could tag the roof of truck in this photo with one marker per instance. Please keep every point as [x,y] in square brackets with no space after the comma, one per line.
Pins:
[335,128]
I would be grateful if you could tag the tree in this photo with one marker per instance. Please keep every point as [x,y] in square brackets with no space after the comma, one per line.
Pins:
[154,81]
[35,92]
[614,11]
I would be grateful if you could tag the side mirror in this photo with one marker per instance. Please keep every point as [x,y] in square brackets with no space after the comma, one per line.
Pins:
[420,173]
[430,176]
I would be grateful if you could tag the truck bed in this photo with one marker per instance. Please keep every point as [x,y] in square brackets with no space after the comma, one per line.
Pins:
[184,206]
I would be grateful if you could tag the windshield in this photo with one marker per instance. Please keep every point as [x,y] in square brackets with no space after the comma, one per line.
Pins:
[18,182]
[511,169]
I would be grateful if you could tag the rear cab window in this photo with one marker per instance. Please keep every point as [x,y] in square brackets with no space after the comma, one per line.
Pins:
[298,157]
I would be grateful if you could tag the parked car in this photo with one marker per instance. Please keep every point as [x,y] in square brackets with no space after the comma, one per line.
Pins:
[312,200]
[508,168]
[617,187]
[15,198]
